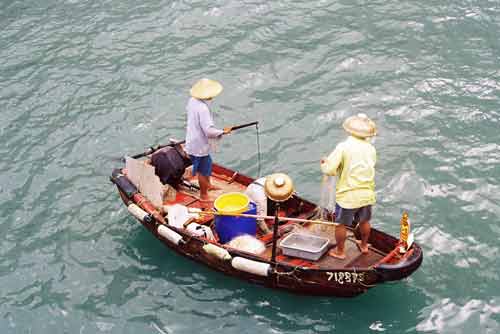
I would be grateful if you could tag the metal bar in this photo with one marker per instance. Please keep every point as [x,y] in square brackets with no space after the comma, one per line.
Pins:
[299,220]
[237,127]
[275,234]
[151,150]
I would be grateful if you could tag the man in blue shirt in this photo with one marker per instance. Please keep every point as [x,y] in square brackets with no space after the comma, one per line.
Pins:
[200,128]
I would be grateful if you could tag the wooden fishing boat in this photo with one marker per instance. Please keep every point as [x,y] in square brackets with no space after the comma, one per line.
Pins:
[327,276]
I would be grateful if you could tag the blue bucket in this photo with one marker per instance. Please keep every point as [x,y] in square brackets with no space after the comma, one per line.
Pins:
[229,227]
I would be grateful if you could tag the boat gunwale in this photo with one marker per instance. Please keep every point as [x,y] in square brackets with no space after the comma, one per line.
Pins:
[382,267]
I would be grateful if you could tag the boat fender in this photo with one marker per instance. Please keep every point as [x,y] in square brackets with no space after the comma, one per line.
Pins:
[123,183]
[250,266]
[170,235]
[217,251]
[140,214]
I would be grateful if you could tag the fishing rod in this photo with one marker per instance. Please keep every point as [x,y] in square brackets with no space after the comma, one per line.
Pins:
[152,149]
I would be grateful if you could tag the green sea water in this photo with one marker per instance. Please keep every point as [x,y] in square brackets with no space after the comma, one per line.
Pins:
[83,82]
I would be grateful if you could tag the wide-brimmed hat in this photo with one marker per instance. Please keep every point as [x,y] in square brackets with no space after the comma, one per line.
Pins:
[360,126]
[206,89]
[278,187]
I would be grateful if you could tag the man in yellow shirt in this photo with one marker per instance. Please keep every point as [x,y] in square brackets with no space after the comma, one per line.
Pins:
[353,162]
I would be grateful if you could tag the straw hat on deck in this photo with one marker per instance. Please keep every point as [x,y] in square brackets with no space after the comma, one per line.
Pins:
[206,89]
[278,187]
[360,126]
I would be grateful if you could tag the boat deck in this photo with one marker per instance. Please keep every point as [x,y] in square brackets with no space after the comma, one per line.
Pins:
[189,196]
[354,258]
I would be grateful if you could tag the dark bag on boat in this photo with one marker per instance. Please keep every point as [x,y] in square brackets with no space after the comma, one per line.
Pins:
[170,164]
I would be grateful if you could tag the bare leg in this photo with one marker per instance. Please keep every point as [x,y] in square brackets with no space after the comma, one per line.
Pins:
[262,224]
[204,182]
[365,229]
[211,186]
[340,237]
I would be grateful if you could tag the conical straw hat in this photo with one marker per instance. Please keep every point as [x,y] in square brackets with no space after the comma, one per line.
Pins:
[206,89]
[360,126]
[278,187]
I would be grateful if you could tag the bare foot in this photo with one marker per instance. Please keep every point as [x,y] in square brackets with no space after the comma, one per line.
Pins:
[206,203]
[336,254]
[363,250]
[212,187]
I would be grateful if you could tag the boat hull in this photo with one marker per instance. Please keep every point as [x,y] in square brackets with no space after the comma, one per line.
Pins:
[309,280]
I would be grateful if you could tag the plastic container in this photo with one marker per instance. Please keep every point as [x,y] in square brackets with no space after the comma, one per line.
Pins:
[229,227]
[232,203]
[304,246]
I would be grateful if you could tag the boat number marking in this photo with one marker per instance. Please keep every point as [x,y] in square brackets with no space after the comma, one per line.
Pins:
[343,277]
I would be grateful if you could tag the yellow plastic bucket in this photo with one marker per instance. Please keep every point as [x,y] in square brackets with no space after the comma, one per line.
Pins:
[232,203]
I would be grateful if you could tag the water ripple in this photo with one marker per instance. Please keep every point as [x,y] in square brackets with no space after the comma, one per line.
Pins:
[84,82]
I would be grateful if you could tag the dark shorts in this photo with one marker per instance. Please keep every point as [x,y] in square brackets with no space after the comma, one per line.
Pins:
[351,217]
[202,165]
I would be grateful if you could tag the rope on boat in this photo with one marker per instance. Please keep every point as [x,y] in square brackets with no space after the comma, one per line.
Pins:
[306,281]
[362,283]
[288,273]
[367,285]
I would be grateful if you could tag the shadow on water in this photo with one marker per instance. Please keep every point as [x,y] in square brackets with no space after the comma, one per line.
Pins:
[392,307]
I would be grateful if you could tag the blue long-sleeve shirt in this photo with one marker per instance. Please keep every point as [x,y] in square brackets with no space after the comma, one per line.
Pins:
[200,127]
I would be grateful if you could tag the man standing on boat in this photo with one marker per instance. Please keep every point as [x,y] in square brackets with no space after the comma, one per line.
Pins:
[201,129]
[353,162]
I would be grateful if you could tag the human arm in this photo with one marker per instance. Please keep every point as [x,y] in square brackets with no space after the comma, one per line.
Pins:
[329,165]
[207,124]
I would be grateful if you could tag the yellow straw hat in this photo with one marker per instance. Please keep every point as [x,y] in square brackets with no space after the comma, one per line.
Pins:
[360,126]
[206,89]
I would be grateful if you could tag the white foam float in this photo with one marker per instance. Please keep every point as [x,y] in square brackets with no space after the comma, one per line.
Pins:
[217,251]
[251,266]
[137,212]
[170,235]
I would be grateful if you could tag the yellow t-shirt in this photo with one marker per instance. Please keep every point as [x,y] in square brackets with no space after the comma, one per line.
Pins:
[353,160]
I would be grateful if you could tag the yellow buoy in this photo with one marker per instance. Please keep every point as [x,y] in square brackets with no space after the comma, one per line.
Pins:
[232,203]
